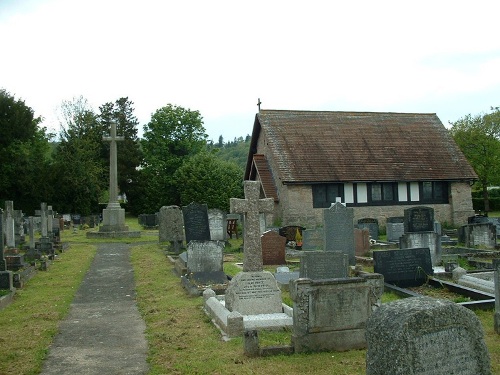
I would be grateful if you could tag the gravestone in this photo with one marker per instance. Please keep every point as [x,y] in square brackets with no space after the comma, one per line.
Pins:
[423,335]
[8,218]
[217,224]
[419,219]
[253,291]
[196,224]
[6,278]
[361,241]
[496,268]
[403,267]
[419,232]
[148,220]
[318,265]
[331,314]
[395,228]
[479,234]
[19,232]
[171,227]
[371,224]
[339,230]
[312,239]
[205,266]
[273,248]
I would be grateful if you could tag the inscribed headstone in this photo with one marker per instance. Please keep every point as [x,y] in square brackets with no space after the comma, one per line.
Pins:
[317,265]
[403,267]
[419,219]
[10,235]
[273,248]
[423,335]
[196,222]
[205,256]
[339,230]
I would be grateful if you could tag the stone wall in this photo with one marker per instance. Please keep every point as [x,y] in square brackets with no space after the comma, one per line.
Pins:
[296,207]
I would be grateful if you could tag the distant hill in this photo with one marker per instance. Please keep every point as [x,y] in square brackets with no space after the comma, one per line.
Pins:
[235,151]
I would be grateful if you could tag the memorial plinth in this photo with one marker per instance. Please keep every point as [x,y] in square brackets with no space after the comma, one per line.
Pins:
[113,216]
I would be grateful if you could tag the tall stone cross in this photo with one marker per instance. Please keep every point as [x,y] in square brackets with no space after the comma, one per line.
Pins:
[251,207]
[113,165]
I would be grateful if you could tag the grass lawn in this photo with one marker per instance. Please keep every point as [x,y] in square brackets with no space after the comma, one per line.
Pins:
[182,339]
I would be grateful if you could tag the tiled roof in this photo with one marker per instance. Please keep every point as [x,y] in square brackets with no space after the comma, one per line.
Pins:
[267,182]
[311,147]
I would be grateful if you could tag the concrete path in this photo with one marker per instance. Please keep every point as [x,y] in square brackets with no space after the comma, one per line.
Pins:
[104,332]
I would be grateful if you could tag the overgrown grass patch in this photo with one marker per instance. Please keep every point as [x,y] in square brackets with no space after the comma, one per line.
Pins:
[30,322]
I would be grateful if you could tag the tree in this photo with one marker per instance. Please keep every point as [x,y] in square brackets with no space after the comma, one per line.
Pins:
[129,152]
[80,172]
[24,155]
[206,179]
[479,139]
[171,137]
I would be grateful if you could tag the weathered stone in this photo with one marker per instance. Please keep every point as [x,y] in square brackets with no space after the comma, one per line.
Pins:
[422,335]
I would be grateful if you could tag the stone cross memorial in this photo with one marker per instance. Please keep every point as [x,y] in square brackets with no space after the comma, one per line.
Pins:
[251,207]
[253,291]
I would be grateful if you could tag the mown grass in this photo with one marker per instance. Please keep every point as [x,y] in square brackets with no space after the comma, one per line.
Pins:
[181,338]
[29,323]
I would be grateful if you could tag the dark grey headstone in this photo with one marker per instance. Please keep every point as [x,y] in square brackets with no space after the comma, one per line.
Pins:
[403,267]
[496,277]
[318,265]
[196,223]
[422,335]
[339,230]
[371,224]
[419,219]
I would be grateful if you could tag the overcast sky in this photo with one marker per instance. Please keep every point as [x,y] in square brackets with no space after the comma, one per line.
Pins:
[219,57]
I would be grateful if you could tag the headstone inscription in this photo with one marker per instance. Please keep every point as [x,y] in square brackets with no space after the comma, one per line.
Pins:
[339,230]
[371,224]
[217,224]
[496,270]
[419,219]
[318,265]
[253,291]
[403,267]
[196,224]
[273,248]
[423,335]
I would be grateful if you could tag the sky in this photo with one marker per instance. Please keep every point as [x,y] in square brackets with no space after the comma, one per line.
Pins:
[220,57]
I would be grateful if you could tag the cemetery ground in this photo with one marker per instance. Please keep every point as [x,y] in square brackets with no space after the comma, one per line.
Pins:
[181,338]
